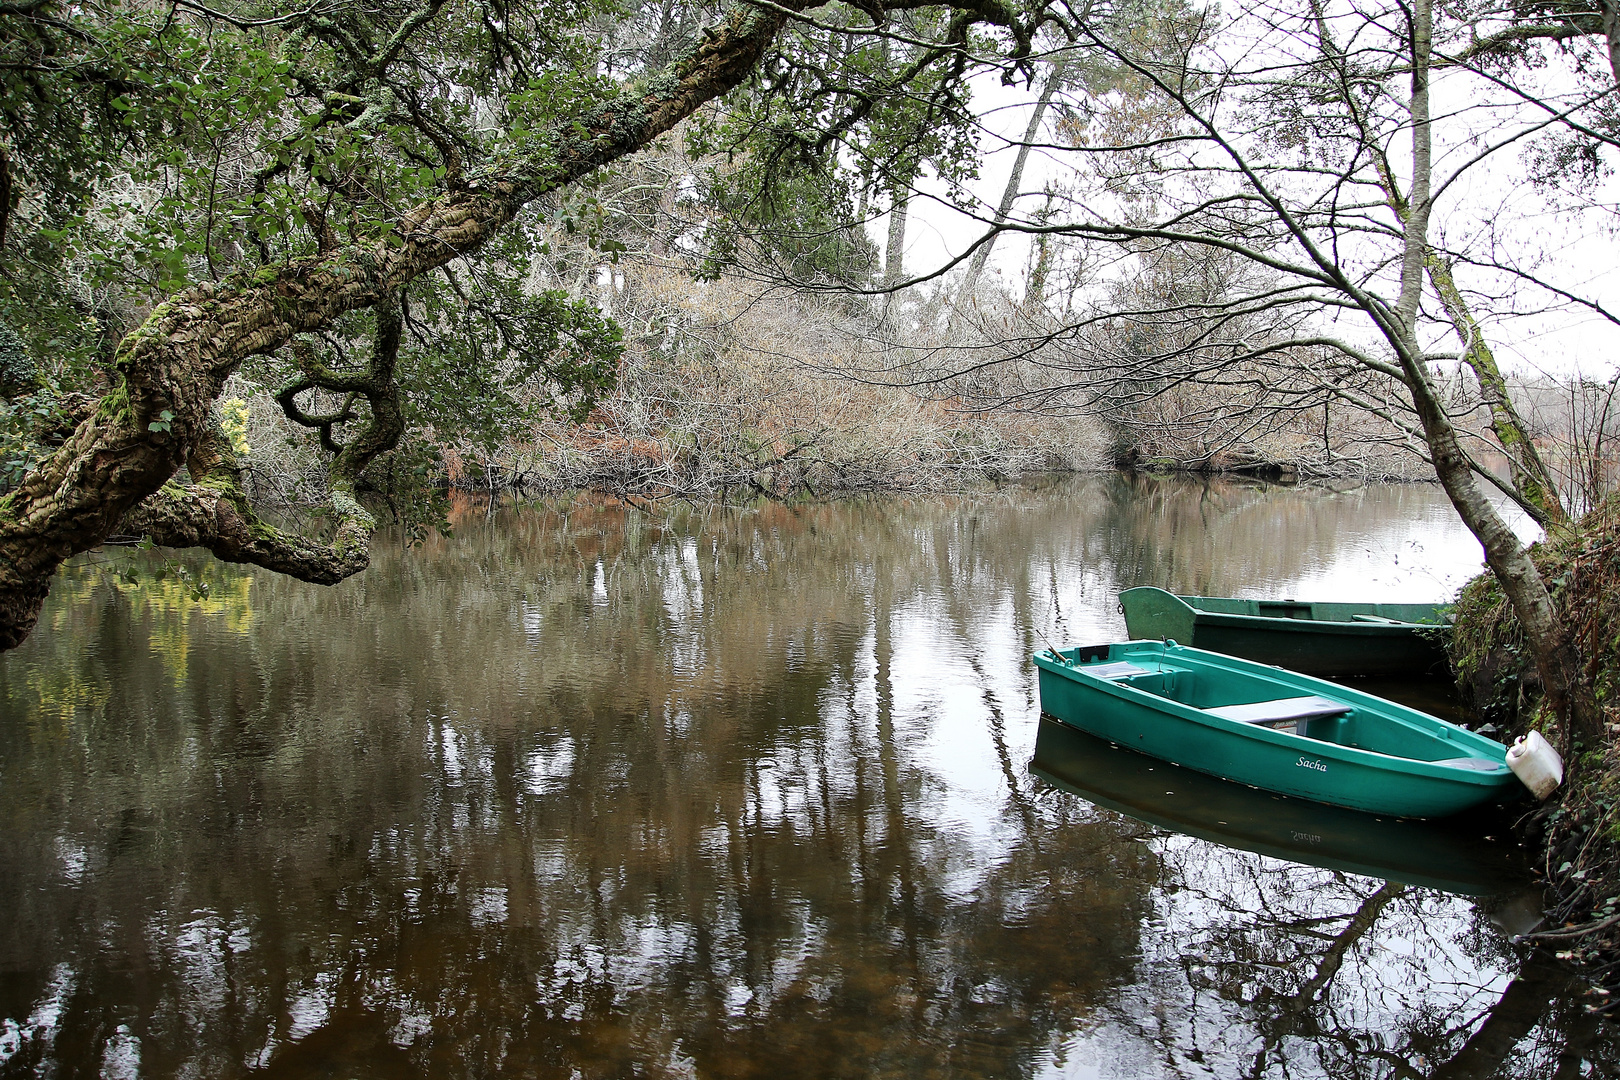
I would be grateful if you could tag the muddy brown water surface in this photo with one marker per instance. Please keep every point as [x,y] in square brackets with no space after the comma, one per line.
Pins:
[581,792]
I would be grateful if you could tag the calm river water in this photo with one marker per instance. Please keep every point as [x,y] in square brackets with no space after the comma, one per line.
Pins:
[727,793]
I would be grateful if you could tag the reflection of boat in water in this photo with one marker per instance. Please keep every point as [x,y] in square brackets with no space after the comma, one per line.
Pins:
[1436,855]
[1314,638]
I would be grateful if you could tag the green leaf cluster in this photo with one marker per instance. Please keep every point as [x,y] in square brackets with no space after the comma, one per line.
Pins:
[504,358]
[794,217]
[147,147]
[154,145]
[838,119]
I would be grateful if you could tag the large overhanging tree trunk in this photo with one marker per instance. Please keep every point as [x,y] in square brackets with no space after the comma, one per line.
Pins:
[173,367]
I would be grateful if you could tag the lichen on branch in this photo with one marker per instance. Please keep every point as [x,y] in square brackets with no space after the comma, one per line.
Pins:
[174,365]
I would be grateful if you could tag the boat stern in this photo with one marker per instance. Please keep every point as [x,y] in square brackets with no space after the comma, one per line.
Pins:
[1152,613]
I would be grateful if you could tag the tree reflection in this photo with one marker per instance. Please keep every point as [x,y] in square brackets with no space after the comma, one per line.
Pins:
[1262,967]
[723,794]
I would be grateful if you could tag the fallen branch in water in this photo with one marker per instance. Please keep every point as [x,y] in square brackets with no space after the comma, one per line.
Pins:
[1571,931]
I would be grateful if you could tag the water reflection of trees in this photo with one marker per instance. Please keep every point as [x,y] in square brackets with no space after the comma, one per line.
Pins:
[1256,967]
[581,790]
[1224,537]
[682,830]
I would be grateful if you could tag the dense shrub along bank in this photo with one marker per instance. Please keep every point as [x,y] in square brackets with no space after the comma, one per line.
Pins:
[1578,830]
[722,390]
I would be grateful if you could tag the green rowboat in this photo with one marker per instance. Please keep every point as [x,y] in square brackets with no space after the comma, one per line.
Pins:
[1273,729]
[1318,639]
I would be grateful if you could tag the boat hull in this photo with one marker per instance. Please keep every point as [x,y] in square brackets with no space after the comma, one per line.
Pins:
[1317,761]
[1436,855]
[1314,638]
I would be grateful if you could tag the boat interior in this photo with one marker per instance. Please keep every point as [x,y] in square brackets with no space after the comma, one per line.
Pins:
[1256,699]
[1389,614]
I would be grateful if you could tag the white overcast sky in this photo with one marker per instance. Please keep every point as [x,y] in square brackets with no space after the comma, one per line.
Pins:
[1583,257]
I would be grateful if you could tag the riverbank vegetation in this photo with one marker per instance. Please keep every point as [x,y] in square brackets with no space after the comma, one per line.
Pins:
[720,392]
[1578,832]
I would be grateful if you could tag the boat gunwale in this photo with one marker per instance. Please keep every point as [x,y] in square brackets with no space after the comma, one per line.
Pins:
[1196,605]
[1353,755]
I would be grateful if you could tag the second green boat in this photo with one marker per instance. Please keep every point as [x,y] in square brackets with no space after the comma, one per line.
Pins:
[1273,729]
[1316,638]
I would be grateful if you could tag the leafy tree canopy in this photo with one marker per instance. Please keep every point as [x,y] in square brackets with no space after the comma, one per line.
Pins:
[295,193]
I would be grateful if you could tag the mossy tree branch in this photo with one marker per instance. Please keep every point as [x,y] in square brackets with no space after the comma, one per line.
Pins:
[214,511]
[176,362]
[173,367]
[1530,475]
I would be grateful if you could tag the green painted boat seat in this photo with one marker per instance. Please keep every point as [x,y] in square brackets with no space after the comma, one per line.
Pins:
[1376,619]
[1480,764]
[1268,712]
[1119,669]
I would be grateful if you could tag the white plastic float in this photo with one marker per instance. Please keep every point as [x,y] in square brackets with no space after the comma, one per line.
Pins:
[1536,763]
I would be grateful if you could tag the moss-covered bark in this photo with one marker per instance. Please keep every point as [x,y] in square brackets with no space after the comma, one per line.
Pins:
[1537,490]
[174,365]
